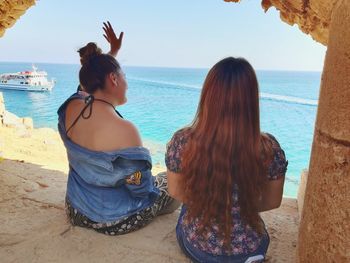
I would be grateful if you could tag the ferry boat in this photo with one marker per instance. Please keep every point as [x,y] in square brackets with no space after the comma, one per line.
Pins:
[27,80]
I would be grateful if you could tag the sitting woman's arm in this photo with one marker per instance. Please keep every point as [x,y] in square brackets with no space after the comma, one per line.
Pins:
[272,192]
[174,185]
[271,195]
[173,163]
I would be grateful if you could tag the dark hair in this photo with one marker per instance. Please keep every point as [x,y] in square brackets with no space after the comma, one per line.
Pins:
[226,149]
[95,66]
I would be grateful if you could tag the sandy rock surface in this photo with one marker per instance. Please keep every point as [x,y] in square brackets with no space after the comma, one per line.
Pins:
[33,179]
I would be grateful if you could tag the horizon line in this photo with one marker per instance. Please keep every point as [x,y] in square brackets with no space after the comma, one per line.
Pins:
[169,67]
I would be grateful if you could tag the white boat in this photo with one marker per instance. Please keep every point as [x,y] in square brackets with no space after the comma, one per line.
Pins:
[27,80]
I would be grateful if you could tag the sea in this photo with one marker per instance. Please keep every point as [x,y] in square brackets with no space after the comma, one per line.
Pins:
[163,100]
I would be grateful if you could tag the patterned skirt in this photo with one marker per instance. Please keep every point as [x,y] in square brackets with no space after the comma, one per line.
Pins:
[163,205]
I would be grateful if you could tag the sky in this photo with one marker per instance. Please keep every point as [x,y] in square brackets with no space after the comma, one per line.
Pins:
[162,33]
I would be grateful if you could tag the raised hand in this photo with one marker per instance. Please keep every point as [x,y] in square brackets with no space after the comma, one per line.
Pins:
[112,39]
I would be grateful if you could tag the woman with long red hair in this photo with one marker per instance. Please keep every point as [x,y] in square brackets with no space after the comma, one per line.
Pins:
[225,170]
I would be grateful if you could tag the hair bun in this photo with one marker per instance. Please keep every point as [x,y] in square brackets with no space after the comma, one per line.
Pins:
[88,52]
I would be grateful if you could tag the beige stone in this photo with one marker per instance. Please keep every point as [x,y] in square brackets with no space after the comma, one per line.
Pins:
[305,14]
[10,11]
[324,229]
[324,234]
[2,107]
[323,8]
[301,191]
[312,16]
[33,180]
[333,112]
[2,111]
[28,123]
[23,132]
[11,120]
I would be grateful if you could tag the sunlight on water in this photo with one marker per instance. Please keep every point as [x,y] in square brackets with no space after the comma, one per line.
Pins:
[162,100]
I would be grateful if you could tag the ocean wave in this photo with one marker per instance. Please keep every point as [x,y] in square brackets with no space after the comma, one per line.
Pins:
[263,95]
[290,99]
[178,85]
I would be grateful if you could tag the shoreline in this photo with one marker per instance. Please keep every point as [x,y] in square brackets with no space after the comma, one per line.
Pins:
[17,144]
[41,146]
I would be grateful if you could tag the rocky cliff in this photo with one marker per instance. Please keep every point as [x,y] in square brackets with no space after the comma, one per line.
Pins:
[10,12]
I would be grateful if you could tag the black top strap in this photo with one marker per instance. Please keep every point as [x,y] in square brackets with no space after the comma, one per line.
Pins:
[110,105]
[89,100]
[79,88]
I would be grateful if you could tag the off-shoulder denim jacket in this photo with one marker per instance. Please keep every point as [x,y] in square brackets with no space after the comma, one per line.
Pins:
[107,186]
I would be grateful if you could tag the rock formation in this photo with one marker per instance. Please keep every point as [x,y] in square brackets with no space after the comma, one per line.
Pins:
[324,234]
[312,16]
[10,11]
[8,119]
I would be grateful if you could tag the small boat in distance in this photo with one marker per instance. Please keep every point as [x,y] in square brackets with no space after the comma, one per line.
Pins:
[26,80]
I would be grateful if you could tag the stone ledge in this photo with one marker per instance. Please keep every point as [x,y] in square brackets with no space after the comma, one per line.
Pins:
[35,228]
[301,192]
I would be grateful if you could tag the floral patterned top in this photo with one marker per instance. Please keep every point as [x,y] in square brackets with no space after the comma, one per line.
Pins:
[244,239]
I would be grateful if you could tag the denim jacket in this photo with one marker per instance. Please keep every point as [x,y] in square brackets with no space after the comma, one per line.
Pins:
[107,186]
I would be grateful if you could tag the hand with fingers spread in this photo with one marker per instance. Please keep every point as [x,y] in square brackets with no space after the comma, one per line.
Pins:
[112,39]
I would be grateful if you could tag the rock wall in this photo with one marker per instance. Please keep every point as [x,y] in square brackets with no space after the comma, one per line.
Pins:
[9,119]
[10,11]
[2,107]
[324,234]
[301,191]
[312,16]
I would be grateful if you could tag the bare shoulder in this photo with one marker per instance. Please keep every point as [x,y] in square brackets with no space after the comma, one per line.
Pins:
[128,132]
[112,133]
[272,139]
[73,109]
[74,104]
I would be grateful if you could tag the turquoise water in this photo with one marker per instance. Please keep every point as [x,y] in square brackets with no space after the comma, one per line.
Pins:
[162,100]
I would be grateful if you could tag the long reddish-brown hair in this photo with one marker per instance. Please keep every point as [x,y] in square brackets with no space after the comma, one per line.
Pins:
[225,148]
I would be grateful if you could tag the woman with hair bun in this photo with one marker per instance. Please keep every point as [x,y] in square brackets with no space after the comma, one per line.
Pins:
[110,186]
[225,170]
[112,39]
